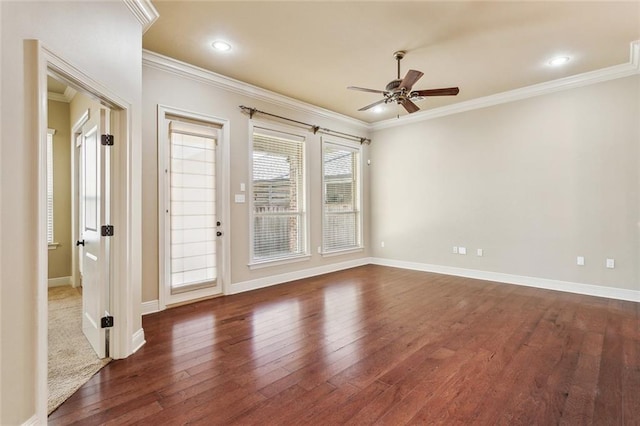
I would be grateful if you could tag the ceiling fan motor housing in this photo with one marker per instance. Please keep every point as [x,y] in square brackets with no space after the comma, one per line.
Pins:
[393,85]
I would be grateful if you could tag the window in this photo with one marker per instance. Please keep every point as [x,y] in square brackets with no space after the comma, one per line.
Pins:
[192,206]
[50,133]
[341,228]
[278,196]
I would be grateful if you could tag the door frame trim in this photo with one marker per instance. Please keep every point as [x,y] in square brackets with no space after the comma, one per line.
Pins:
[125,210]
[224,172]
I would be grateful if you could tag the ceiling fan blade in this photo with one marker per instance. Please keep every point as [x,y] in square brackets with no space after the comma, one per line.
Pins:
[409,106]
[449,91]
[363,89]
[410,79]
[372,105]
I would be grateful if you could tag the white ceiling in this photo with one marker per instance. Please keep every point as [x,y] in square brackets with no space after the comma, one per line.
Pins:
[312,51]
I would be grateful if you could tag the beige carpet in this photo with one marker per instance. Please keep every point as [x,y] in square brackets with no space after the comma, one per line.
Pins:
[72,361]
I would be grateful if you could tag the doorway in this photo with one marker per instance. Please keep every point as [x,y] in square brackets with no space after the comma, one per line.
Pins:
[77,198]
[192,208]
[123,251]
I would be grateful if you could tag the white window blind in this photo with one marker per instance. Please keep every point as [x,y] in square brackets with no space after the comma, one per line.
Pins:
[192,205]
[279,217]
[341,206]
[50,133]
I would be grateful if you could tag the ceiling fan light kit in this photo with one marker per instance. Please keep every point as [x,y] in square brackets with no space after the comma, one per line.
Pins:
[399,90]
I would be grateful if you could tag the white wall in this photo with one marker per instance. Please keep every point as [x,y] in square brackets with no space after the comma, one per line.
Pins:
[102,39]
[169,89]
[534,183]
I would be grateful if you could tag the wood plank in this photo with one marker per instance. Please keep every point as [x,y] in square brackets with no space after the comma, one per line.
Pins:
[376,345]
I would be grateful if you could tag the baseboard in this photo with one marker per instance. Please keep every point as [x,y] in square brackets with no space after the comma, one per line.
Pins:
[566,286]
[59,282]
[243,286]
[137,340]
[150,307]
[32,421]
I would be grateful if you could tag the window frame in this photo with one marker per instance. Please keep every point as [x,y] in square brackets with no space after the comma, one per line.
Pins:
[51,242]
[358,206]
[294,133]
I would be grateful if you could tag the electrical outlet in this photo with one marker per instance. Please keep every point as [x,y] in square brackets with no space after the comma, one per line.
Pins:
[611,263]
[462,250]
[382,244]
[580,261]
[479,252]
[455,250]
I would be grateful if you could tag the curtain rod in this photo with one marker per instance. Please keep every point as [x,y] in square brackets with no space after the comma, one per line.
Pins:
[314,128]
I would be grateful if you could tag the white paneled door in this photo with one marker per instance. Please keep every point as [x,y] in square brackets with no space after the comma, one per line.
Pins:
[94,192]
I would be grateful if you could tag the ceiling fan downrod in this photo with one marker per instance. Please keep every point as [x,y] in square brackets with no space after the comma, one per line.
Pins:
[399,55]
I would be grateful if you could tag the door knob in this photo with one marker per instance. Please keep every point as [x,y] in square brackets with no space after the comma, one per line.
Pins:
[80,243]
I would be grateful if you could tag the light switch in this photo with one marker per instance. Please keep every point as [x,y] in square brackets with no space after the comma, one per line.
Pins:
[239,198]
[243,187]
[479,252]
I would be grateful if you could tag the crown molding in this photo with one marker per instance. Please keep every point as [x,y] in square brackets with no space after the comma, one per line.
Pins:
[58,97]
[144,12]
[182,69]
[571,82]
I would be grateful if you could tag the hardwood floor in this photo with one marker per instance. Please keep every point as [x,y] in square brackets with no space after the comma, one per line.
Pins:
[377,345]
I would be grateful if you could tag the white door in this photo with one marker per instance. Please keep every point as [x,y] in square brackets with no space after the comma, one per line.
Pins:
[190,218]
[94,212]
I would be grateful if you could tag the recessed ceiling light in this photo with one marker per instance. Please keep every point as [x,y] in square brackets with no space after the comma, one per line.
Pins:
[221,46]
[560,60]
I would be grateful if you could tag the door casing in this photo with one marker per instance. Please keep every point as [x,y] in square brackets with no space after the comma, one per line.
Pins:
[222,183]
[126,336]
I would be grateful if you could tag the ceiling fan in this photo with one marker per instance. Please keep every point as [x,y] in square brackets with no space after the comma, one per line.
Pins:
[399,90]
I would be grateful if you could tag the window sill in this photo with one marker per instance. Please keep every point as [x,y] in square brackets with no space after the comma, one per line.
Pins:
[278,262]
[341,252]
[53,246]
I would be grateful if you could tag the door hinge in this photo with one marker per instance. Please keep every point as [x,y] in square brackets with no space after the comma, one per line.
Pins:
[106,139]
[106,230]
[106,321]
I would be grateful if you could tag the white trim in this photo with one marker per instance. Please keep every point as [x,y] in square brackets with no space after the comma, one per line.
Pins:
[173,66]
[243,286]
[36,77]
[571,82]
[278,262]
[150,307]
[57,97]
[58,282]
[342,252]
[144,12]
[543,283]
[137,340]
[66,97]
[33,421]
